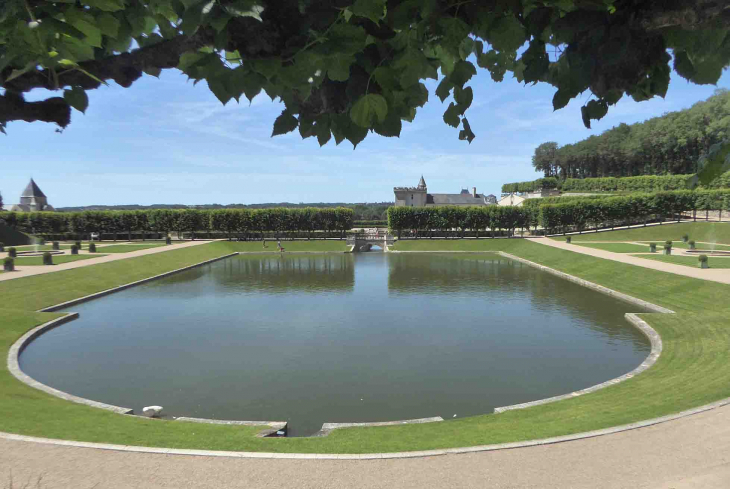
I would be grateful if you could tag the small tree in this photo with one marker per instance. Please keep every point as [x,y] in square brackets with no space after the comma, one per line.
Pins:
[47,258]
[8,264]
[12,252]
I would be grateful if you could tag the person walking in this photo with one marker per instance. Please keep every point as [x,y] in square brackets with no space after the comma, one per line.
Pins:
[264,241]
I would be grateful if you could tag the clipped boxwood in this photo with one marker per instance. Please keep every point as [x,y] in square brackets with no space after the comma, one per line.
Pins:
[47,258]
[704,261]
[168,240]
[8,264]
[75,250]
[12,252]
[92,248]
[567,239]
[56,245]
[78,244]
[668,248]
[685,238]
[652,247]
[691,244]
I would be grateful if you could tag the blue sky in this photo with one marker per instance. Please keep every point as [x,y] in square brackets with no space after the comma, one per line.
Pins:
[167,141]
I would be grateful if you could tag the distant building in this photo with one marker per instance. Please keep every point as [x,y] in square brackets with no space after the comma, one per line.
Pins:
[419,197]
[32,199]
[511,199]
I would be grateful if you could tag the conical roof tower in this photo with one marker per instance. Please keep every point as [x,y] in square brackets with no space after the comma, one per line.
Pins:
[32,190]
[421,184]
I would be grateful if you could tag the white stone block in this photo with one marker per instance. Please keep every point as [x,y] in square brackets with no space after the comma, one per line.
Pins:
[152,411]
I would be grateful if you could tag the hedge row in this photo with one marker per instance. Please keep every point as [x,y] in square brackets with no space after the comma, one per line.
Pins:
[532,186]
[646,183]
[580,214]
[227,221]
[420,220]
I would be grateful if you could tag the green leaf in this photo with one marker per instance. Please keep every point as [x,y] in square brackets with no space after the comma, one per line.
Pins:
[463,97]
[390,127]
[76,98]
[385,77]
[466,133]
[85,23]
[444,89]
[561,99]
[368,109]
[593,110]
[370,9]
[463,71]
[105,5]
[507,34]
[338,67]
[153,71]
[322,129]
[285,123]
[220,90]
[189,59]
[108,25]
[451,116]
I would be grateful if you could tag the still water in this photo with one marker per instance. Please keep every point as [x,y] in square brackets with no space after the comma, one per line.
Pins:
[340,338]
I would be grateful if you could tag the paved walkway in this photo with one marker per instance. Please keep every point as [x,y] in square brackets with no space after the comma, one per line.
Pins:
[689,453]
[711,274]
[27,271]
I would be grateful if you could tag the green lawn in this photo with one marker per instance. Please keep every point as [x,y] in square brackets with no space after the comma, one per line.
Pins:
[24,261]
[615,247]
[692,371]
[685,246]
[689,261]
[323,245]
[712,232]
[46,247]
[125,248]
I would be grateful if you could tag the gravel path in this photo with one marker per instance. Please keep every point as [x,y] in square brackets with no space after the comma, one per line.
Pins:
[688,453]
[27,271]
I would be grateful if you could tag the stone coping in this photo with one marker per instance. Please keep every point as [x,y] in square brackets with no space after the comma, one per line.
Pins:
[274,426]
[327,428]
[654,337]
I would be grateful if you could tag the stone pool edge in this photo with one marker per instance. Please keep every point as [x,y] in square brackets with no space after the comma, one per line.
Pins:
[654,338]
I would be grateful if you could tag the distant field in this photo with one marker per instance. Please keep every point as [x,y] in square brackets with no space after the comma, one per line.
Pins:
[699,231]
[689,261]
[615,247]
[125,248]
[25,261]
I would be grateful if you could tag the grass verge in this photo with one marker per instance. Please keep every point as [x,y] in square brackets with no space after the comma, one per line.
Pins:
[125,248]
[712,232]
[689,261]
[691,371]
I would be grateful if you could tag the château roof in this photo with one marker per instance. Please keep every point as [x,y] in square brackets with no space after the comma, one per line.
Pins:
[422,183]
[455,199]
[32,190]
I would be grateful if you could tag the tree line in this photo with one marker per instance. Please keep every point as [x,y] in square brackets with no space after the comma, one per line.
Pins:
[242,223]
[670,144]
[546,183]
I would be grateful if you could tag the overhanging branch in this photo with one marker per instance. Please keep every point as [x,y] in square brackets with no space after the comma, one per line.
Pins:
[123,68]
[14,108]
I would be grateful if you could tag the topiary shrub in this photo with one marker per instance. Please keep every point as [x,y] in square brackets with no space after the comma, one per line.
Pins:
[74,250]
[704,261]
[168,240]
[42,242]
[685,238]
[56,246]
[78,245]
[8,264]
[47,258]
[92,248]
[567,239]
[652,247]
[691,244]
[12,252]
[668,248]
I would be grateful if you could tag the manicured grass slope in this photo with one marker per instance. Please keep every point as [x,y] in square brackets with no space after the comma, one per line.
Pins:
[24,261]
[125,248]
[488,244]
[689,261]
[691,371]
[716,232]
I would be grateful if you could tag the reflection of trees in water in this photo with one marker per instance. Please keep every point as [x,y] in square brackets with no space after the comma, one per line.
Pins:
[279,274]
[501,278]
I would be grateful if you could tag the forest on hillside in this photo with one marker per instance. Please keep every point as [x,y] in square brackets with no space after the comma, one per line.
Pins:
[670,144]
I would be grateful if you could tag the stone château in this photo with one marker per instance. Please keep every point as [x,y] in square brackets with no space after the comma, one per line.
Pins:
[419,197]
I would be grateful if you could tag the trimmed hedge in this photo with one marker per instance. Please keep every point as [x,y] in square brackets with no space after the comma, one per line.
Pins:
[420,220]
[646,183]
[532,186]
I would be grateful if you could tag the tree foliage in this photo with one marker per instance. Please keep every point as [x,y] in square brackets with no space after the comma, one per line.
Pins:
[345,68]
[670,144]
